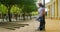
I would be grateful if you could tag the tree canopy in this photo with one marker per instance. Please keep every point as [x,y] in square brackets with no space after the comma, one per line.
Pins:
[3,9]
[24,6]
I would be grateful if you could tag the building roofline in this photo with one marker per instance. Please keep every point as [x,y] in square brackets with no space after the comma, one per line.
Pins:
[49,3]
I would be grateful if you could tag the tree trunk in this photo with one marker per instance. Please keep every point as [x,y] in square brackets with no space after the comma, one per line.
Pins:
[9,14]
[30,17]
[19,16]
[27,17]
[3,17]
[23,16]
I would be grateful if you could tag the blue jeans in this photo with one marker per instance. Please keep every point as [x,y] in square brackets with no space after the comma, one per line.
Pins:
[42,23]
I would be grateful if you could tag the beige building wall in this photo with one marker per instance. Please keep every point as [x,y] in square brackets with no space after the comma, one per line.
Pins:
[52,10]
[47,11]
[58,9]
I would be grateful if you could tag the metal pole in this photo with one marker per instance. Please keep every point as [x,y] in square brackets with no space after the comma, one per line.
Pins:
[44,3]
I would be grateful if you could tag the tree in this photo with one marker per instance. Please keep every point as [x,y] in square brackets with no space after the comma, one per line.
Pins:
[9,4]
[20,3]
[3,9]
[27,7]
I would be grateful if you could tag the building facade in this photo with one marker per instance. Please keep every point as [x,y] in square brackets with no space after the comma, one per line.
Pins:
[53,9]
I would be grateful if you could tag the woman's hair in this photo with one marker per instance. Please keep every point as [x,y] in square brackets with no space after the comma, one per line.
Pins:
[40,4]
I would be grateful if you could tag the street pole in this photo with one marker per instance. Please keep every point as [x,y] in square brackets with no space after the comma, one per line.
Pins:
[44,3]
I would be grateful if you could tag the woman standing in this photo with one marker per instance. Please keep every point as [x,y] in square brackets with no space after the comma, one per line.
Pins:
[41,18]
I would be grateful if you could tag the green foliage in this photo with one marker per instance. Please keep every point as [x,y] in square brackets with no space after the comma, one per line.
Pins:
[26,6]
[10,2]
[28,9]
[15,9]
[34,13]
[3,9]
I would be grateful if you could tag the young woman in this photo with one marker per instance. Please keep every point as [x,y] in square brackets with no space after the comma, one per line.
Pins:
[41,18]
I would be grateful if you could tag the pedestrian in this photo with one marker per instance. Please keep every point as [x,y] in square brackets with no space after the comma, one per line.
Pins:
[41,17]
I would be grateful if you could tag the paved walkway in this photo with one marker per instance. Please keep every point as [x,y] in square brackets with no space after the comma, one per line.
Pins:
[51,26]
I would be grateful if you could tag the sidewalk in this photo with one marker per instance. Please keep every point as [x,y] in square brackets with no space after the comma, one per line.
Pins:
[51,26]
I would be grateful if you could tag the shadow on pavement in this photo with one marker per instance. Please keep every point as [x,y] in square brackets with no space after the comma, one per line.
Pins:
[12,26]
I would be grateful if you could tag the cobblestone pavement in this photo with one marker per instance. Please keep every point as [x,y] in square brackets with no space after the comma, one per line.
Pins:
[51,26]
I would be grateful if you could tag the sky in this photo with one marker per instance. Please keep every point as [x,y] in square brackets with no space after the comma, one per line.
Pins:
[46,1]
